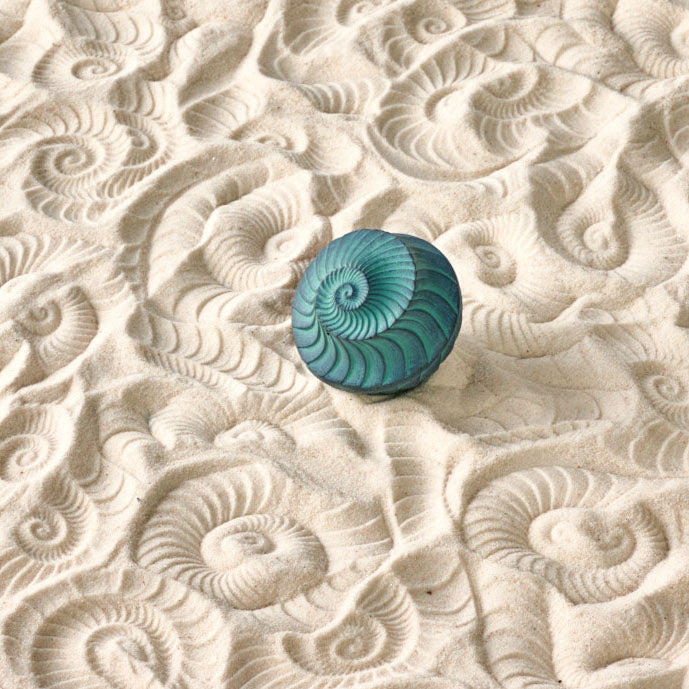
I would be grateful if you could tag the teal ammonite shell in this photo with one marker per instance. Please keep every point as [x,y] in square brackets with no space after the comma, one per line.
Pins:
[376,312]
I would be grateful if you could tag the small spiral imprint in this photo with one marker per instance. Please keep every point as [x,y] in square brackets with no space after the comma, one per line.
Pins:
[58,529]
[441,106]
[275,141]
[82,158]
[615,223]
[42,320]
[666,389]
[391,626]
[356,643]
[150,146]
[493,262]
[429,29]
[558,523]
[433,25]
[22,454]
[81,64]
[595,241]
[143,139]
[265,238]
[115,629]
[378,631]
[45,535]
[313,150]
[351,11]
[61,325]
[311,24]
[376,312]
[252,431]
[48,536]
[90,68]
[33,440]
[429,126]
[181,425]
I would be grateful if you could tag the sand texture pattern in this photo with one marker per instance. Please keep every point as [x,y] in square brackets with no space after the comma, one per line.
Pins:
[183,505]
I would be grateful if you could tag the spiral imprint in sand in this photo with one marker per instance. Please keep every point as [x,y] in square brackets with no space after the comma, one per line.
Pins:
[70,164]
[194,420]
[50,535]
[430,28]
[108,640]
[377,632]
[497,268]
[667,390]
[61,327]
[42,320]
[662,441]
[421,119]
[79,64]
[613,222]
[351,12]
[227,546]
[557,522]
[596,241]
[263,548]
[44,535]
[658,35]
[33,439]
[56,530]
[74,153]
[150,147]
[111,630]
[83,158]
[90,69]
[357,643]
[251,430]
[266,238]
[128,644]
[494,263]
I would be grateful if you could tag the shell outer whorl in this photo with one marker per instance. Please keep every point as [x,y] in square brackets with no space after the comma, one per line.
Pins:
[376,312]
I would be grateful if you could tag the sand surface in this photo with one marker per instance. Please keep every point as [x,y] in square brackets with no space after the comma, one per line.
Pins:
[183,505]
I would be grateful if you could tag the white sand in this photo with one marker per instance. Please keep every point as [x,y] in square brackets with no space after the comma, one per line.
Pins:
[183,505]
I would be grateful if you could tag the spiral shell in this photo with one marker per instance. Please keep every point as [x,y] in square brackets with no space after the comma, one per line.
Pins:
[376,312]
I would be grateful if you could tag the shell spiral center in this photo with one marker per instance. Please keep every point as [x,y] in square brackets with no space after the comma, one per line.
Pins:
[367,294]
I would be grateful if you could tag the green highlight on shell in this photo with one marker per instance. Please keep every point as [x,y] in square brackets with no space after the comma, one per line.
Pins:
[376,312]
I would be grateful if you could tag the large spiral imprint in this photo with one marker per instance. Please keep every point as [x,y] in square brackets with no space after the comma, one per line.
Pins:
[114,629]
[569,527]
[376,312]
